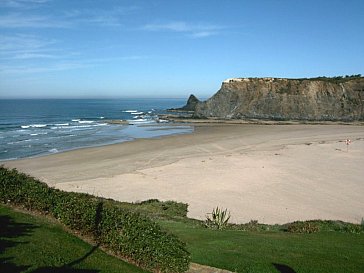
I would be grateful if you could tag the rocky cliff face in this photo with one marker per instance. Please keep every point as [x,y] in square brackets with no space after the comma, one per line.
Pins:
[284,99]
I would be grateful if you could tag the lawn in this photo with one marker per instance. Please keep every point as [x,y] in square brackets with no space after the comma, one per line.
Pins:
[39,245]
[272,251]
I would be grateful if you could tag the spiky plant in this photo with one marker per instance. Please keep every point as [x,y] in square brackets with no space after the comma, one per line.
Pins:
[218,218]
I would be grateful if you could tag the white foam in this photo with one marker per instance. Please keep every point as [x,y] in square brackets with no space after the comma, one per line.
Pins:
[33,134]
[137,113]
[62,124]
[100,124]
[140,121]
[71,127]
[101,117]
[33,126]
[130,111]
[54,150]
[75,120]
[85,121]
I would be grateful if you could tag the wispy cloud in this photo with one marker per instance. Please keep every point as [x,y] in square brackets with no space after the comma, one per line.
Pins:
[63,65]
[19,20]
[62,19]
[22,46]
[26,69]
[21,3]
[192,30]
[109,17]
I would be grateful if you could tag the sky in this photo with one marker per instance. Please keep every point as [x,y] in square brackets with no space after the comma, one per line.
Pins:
[170,48]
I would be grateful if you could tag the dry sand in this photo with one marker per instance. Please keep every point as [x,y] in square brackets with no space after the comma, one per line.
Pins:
[269,173]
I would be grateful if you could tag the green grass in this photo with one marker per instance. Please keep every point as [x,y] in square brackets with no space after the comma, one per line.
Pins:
[38,245]
[249,251]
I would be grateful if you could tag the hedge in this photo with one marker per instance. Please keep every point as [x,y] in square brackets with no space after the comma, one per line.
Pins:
[124,231]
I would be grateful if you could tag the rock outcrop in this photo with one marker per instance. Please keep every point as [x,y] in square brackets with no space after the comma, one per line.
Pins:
[286,99]
[189,107]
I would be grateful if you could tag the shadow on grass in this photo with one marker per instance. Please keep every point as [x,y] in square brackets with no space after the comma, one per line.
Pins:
[63,269]
[68,267]
[283,268]
[10,229]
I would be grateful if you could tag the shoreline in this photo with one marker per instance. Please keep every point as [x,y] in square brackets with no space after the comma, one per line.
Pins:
[160,125]
[273,174]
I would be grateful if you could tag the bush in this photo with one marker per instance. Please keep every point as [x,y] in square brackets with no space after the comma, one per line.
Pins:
[124,231]
[303,227]
[23,190]
[168,208]
[77,210]
[142,240]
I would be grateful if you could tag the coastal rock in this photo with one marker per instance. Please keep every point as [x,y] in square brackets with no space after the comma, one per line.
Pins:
[333,99]
[189,107]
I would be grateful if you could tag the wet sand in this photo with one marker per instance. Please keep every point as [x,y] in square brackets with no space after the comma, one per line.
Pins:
[269,173]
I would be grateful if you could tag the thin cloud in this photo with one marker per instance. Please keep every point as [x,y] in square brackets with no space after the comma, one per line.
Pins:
[56,64]
[192,30]
[67,20]
[20,46]
[25,56]
[22,3]
[203,34]
[98,17]
[18,20]
[25,69]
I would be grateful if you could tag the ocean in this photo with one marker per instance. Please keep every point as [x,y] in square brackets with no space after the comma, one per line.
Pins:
[35,127]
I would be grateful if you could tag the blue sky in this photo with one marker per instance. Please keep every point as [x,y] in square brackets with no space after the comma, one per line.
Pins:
[94,49]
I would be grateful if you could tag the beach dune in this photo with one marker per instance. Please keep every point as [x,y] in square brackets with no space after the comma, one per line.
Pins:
[269,173]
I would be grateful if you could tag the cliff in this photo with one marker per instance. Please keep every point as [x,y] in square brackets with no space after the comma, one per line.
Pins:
[286,99]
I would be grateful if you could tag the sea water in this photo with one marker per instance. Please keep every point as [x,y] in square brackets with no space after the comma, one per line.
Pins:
[35,127]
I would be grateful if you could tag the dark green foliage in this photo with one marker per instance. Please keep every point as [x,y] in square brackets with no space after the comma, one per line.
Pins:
[155,209]
[253,225]
[167,208]
[136,237]
[76,210]
[117,227]
[337,79]
[329,225]
[23,190]
[303,227]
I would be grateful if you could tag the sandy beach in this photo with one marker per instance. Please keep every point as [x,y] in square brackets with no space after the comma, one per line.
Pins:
[269,173]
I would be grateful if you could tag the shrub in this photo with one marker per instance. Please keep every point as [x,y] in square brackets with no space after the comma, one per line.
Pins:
[219,218]
[138,238]
[77,210]
[303,227]
[20,189]
[168,208]
[125,231]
